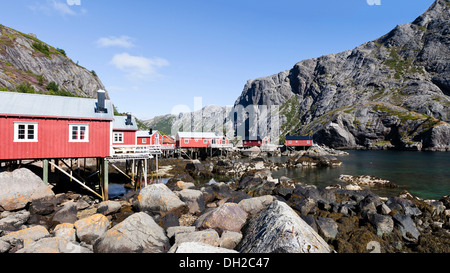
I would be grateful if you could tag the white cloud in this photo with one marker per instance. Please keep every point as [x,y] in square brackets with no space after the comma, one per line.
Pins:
[122,41]
[62,8]
[49,7]
[138,67]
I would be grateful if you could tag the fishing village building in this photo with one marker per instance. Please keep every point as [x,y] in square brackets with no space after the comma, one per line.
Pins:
[299,141]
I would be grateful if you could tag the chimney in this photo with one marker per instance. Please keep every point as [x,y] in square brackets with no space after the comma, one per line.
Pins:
[150,131]
[101,101]
[128,121]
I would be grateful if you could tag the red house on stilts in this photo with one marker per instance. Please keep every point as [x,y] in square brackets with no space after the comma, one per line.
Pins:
[34,126]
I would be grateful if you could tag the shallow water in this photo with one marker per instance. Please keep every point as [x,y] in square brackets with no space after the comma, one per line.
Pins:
[424,174]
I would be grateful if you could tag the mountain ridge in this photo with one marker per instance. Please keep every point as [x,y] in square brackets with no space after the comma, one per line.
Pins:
[27,64]
[350,99]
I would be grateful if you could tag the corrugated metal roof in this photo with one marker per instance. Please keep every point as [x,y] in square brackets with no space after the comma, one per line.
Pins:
[197,135]
[12,103]
[143,133]
[120,123]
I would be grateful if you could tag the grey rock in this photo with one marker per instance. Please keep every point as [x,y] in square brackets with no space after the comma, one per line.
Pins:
[12,221]
[160,199]
[108,207]
[328,228]
[407,227]
[66,231]
[230,239]
[67,214]
[253,206]
[279,229]
[193,199]
[136,234]
[383,223]
[209,237]
[91,228]
[229,216]
[173,231]
[54,245]
[21,187]
[26,236]
[196,247]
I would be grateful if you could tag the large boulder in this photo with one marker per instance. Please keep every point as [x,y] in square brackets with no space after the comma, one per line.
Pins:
[54,245]
[229,216]
[279,229]
[13,221]
[138,233]
[91,228]
[158,198]
[194,200]
[197,247]
[21,187]
[67,213]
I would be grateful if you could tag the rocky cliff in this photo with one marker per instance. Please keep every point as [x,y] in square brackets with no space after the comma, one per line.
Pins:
[390,92]
[28,63]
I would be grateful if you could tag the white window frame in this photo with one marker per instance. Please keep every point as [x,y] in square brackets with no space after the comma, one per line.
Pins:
[144,140]
[205,141]
[118,137]
[86,133]
[290,141]
[26,139]
[186,141]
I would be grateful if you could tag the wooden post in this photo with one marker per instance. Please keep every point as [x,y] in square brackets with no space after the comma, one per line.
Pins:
[105,179]
[45,171]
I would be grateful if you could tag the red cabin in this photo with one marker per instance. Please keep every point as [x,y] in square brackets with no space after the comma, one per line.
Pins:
[150,137]
[199,140]
[299,141]
[35,126]
[256,142]
[124,130]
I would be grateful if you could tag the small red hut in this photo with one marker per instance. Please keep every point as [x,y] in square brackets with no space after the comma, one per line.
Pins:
[299,141]
[249,142]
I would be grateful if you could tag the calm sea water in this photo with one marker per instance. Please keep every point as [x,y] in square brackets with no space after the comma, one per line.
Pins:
[424,174]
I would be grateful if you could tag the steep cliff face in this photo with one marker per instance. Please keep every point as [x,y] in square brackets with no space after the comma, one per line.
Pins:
[390,92]
[24,59]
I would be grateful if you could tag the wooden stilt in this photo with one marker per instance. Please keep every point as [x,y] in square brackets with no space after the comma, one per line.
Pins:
[45,171]
[105,180]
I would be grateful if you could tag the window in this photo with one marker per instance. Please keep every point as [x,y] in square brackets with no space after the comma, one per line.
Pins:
[78,133]
[25,132]
[307,141]
[118,137]
[186,141]
[144,140]
[205,141]
[290,141]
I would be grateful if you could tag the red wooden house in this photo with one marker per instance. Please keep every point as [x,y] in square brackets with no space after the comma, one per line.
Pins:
[248,142]
[34,126]
[124,130]
[200,140]
[151,137]
[299,141]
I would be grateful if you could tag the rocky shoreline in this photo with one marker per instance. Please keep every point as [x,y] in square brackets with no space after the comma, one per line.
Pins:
[253,213]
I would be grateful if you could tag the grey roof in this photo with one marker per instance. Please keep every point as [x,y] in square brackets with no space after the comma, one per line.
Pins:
[12,103]
[120,123]
[197,135]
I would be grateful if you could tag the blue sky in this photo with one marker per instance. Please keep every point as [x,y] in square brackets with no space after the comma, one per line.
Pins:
[154,55]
